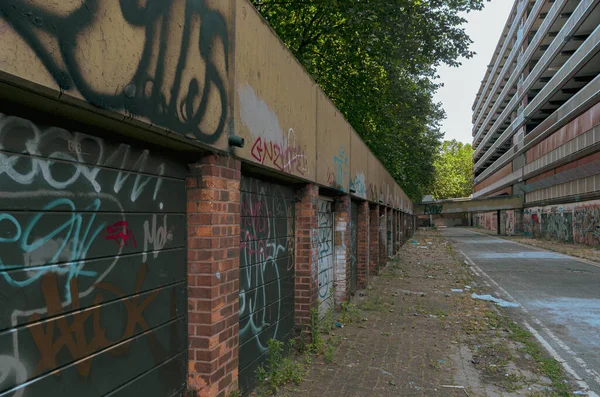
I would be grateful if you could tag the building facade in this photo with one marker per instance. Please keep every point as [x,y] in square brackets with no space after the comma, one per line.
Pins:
[175,191]
[536,122]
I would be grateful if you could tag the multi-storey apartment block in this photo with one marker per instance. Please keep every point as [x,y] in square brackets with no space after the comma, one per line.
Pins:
[536,121]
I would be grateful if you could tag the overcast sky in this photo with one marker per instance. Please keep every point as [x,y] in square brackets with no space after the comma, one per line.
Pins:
[461,84]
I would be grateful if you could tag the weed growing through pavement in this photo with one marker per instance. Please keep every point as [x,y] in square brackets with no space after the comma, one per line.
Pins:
[280,369]
[549,367]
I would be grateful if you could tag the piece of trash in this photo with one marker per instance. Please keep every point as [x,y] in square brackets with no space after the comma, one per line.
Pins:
[467,287]
[452,387]
[414,242]
[382,371]
[565,381]
[392,383]
[365,319]
[457,290]
[498,301]
[423,247]
[580,393]
[429,243]
[339,325]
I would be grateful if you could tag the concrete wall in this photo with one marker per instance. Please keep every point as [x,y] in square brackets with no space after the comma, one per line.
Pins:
[181,77]
[189,75]
[572,223]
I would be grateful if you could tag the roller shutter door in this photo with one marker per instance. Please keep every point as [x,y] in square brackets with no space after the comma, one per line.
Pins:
[353,246]
[325,265]
[92,266]
[266,271]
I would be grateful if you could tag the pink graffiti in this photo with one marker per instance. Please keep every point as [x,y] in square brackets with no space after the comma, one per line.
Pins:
[287,156]
[120,233]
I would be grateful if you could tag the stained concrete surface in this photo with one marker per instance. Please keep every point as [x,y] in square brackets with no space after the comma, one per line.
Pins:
[560,294]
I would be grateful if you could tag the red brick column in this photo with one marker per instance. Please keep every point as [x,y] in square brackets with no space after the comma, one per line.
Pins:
[306,288]
[213,223]
[402,229]
[373,239]
[341,242]
[383,256]
[362,261]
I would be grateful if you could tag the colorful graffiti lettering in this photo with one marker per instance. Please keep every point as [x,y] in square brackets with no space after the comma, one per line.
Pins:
[120,233]
[341,168]
[359,188]
[286,156]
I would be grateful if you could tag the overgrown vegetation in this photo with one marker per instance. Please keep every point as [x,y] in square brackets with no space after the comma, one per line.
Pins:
[287,363]
[453,171]
[377,61]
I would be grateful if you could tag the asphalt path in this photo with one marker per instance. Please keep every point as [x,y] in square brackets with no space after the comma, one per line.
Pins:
[559,297]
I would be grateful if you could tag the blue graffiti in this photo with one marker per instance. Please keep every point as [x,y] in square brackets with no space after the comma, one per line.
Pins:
[80,236]
[341,163]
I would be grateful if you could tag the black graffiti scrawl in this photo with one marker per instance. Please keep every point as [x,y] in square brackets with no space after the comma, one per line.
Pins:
[167,99]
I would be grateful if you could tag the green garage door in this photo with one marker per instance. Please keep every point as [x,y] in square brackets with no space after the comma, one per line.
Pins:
[92,266]
[266,271]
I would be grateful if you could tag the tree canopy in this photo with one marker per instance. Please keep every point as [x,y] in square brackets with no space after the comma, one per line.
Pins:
[453,171]
[377,60]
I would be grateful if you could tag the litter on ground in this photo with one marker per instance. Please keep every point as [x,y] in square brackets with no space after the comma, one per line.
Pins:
[498,301]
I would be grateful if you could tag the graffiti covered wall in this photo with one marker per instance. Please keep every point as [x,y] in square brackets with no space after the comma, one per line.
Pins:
[92,265]
[577,223]
[178,80]
[171,72]
[266,271]
[486,220]
[326,255]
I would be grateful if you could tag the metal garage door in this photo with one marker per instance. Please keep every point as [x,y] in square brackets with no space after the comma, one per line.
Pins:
[92,266]
[353,246]
[266,271]
[325,259]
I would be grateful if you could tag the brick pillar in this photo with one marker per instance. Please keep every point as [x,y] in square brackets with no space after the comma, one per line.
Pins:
[213,223]
[306,287]
[341,242]
[382,237]
[373,239]
[395,231]
[362,262]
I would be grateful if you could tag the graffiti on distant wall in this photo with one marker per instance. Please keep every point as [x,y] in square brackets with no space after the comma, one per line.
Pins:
[557,226]
[341,164]
[433,209]
[510,222]
[326,254]
[587,225]
[74,211]
[162,86]
[358,185]
[266,264]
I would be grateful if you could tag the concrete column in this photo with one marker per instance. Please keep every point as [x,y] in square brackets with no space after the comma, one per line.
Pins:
[213,223]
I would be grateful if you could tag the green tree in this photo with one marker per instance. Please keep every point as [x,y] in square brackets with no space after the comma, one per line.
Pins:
[453,171]
[377,60]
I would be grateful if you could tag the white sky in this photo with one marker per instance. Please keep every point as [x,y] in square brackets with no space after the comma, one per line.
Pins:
[461,84]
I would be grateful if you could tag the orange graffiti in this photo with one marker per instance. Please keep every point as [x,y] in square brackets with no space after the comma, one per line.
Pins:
[59,334]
